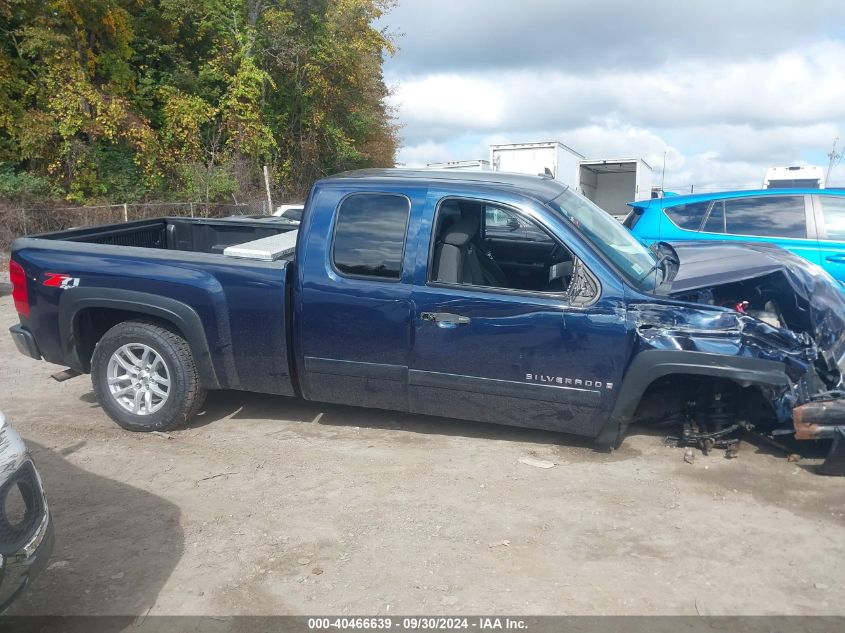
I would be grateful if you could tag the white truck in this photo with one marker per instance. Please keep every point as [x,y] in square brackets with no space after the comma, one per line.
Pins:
[610,183]
[795,177]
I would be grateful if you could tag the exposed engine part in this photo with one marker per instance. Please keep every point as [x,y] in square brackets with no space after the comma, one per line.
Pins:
[769,314]
[758,300]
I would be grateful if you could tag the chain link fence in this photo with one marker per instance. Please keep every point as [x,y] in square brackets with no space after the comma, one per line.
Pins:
[15,222]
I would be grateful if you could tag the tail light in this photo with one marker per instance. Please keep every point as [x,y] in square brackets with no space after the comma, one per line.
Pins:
[20,295]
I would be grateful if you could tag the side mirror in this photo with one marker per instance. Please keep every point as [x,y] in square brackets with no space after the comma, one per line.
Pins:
[513,224]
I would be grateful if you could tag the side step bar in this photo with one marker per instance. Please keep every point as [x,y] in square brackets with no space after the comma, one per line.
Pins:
[824,419]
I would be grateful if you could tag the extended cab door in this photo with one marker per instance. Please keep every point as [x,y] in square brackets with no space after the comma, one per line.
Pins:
[543,351]
[352,309]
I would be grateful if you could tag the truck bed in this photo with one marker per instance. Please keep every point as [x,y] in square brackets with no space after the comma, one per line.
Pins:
[193,235]
[232,309]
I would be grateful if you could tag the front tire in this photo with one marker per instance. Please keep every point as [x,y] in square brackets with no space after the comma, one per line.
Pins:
[145,377]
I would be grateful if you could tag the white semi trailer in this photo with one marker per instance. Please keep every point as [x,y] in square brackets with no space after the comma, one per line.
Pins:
[610,183]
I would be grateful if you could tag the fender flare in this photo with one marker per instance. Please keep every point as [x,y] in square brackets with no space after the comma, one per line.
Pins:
[650,365]
[179,314]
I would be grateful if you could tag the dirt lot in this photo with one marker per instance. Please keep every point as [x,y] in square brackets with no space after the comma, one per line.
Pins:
[268,505]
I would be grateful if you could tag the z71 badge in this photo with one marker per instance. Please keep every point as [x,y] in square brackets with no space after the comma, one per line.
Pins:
[57,280]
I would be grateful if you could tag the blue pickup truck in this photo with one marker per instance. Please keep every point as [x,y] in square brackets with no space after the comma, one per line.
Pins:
[394,293]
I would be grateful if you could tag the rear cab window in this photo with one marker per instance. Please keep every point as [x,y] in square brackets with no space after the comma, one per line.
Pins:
[369,235]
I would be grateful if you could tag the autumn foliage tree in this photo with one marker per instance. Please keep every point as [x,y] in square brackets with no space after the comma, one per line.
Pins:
[130,99]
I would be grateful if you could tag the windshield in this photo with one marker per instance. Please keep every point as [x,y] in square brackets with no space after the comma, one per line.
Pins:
[608,235]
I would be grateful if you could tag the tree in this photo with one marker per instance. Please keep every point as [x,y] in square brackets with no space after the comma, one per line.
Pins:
[141,98]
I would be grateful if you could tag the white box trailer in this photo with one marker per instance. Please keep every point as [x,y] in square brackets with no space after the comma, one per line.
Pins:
[552,158]
[613,183]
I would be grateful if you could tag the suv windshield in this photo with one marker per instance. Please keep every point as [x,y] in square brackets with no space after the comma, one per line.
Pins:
[612,239]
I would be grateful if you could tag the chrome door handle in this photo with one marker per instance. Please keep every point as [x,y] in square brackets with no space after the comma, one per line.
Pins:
[445,319]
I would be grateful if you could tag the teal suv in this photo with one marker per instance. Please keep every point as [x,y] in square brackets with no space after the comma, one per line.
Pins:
[808,222]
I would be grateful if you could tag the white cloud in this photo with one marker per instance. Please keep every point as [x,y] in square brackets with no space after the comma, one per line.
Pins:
[424,153]
[795,87]
[451,100]
[586,38]
[720,124]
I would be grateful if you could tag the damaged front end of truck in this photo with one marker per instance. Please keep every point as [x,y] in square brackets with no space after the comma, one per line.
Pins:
[764,333]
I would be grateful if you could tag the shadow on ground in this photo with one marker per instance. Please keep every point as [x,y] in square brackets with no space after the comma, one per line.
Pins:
[116,545]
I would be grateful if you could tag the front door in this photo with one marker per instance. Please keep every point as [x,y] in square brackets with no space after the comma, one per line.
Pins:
[527,353]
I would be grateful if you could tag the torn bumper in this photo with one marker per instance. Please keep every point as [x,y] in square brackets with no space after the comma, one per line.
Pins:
[824,419]
[26,526]
[18,570]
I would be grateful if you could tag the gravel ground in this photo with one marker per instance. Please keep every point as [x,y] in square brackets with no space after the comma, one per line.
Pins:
[268,505]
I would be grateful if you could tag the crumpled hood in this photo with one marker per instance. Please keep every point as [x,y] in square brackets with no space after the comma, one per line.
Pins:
[818,296]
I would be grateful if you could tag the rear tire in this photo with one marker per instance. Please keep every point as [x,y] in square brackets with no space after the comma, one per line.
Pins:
[145,377]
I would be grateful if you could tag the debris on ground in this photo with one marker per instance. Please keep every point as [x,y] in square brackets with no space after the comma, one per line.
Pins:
[59,564]
[536,463]
[216,476]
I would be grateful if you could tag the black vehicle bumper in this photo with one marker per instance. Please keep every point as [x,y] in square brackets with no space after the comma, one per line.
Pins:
[25,342]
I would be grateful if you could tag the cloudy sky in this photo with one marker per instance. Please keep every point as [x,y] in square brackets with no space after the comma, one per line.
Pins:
[724,88]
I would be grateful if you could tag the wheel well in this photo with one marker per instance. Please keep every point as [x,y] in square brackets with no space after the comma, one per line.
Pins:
[91,324]
[669,399]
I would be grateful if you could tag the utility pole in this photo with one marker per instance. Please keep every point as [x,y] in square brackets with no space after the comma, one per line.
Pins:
[267,185]
[833,160]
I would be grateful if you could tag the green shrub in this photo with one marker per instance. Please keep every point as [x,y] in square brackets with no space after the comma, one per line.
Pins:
[23,185]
